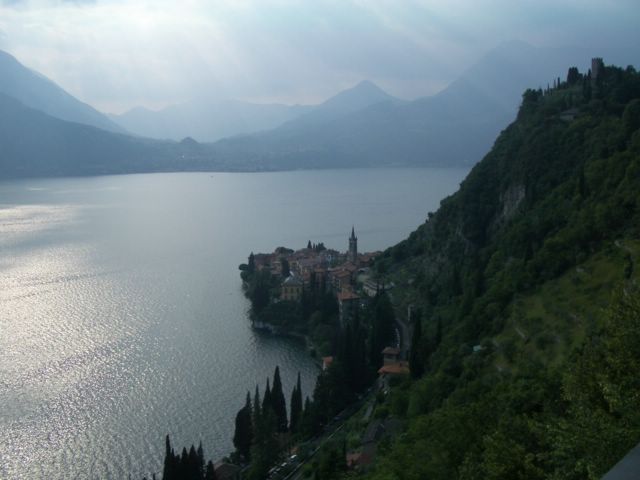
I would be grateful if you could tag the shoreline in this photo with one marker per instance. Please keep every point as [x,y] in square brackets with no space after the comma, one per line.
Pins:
[271,329]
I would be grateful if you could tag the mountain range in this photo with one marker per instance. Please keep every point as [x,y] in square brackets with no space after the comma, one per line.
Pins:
[206,120]
[362,126]
[454,127]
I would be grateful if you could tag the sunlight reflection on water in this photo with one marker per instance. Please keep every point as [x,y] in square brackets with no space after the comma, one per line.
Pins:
[122,316]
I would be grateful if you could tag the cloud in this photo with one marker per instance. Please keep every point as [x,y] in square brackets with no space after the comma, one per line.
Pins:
[115,53]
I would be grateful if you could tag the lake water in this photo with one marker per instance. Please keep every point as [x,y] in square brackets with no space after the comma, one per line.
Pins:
[122,316]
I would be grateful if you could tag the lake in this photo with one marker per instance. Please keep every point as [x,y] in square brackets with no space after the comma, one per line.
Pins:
[122,316]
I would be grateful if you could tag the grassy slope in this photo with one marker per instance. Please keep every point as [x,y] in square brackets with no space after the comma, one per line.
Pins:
[552,321]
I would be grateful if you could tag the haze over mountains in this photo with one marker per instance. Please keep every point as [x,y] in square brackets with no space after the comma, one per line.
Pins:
[38,92]
[363,126]
[207,121]
[455,127]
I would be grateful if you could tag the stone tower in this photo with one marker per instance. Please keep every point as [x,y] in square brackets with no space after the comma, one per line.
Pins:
[352,255]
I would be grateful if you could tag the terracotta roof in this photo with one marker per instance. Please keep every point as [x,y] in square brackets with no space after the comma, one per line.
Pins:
[341,274]
[350,267]
[326,362]
[342,296]
[394,369]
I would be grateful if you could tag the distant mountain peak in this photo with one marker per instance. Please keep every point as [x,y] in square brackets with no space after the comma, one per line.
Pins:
[36,91]
[188,141]
[368,84]
[361,95]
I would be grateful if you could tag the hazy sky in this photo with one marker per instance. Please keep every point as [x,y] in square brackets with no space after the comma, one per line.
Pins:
[116,54]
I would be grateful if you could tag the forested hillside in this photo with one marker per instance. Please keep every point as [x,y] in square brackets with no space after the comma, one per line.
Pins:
[526,286]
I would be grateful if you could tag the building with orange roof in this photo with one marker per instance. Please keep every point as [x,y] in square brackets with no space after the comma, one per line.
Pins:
[399,368]
[326,362]
[340,279]
[348,303]
[391,355]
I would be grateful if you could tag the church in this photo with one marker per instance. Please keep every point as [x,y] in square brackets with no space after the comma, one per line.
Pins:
[352,254]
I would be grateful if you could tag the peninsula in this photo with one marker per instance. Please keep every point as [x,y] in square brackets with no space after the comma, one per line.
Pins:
[301,292]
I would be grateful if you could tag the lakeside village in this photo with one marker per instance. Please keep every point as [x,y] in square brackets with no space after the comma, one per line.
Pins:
[289,284]
[334,301]
[314,270]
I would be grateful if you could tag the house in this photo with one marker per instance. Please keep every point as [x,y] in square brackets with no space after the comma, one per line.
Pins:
[366,259]
[340,279]
[350,267]
[371,287]
[326,363]
[308,265]
[291,289]
[392,366]
[399,368]
[391,355]
[348,303]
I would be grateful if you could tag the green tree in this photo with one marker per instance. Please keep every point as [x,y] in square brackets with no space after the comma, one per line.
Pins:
[257,409]
[383,329]
[296,406]
[169,470]
[602,390]
[278,402]
[267,401]
[259,290]
[573,76]
[243,436]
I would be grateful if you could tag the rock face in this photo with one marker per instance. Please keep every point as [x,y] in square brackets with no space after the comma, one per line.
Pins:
[511,199]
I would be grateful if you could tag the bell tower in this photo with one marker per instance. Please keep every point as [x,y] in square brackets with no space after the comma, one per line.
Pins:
[352,255]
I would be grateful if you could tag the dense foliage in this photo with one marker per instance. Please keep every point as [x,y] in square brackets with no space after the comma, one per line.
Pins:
[556,202]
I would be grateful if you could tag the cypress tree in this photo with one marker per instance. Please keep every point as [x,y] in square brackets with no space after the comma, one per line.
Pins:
[168,471]
[296,406]
[257,411]
[194,465]
[200,453]
[360,368]
[267,402]
[183,466]
[278,402]
[383,327]
[243,436]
